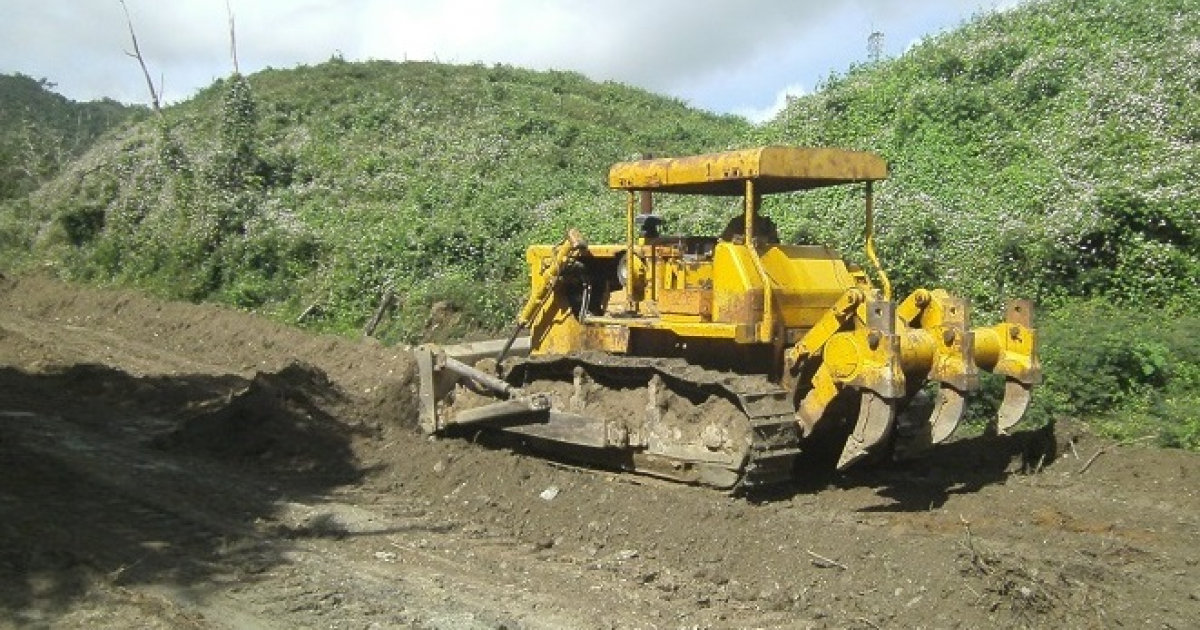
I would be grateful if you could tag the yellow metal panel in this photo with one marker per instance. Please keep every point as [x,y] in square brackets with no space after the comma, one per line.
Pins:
[807,280]
[696,302]
[773,169]
[739,333]
[737,287]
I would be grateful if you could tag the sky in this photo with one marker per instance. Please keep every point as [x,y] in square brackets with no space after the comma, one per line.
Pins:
[727,56]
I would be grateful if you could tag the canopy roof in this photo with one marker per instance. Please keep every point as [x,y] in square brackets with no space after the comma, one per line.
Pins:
[774,169]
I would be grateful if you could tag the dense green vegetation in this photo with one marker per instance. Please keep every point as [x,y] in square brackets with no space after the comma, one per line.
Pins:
[336,184]
[41,132]
[1048,152]
[1131,372]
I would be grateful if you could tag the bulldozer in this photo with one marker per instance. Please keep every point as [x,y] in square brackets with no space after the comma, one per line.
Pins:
[724,360]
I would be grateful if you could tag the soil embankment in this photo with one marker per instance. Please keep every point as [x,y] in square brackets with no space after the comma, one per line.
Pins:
[174,465]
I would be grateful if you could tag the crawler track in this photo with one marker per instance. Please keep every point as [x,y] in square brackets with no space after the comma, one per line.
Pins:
[673,419]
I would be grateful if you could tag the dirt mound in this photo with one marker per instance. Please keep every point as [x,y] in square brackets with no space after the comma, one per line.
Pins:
[63,324]
[284,420]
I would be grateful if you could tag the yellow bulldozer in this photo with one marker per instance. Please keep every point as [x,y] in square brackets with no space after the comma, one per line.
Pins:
[721,360]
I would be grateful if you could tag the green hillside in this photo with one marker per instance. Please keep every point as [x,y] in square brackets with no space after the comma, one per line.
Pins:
[1047,152]
[332,185]
[41,132]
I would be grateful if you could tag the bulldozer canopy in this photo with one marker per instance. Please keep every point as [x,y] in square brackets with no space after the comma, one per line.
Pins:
[774,169]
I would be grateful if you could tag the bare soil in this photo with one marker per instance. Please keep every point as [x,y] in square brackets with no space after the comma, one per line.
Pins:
[168,465]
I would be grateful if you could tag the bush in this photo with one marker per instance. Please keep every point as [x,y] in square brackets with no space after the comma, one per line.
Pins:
[1131,372]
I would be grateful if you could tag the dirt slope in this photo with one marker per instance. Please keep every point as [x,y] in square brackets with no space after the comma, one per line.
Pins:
[171,465]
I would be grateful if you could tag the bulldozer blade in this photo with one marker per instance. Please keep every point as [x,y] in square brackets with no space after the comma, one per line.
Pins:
[947,412]
[565,428]
[534,408]
[876,415]
[1016,401]
[441,368]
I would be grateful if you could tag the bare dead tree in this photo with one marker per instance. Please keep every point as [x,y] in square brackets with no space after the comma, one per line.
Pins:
[137,54]
[232,38]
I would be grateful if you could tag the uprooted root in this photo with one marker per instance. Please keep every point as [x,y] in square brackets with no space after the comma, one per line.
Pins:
[1006,584]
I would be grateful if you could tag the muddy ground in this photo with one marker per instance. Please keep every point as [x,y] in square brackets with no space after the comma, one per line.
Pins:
[169,465]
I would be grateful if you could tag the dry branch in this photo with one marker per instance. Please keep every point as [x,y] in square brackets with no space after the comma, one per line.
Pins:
[1093,458]
[137,54]
[308,311]
[232,39]
[389,296]
[977,559]
[1104,449]
[825,563]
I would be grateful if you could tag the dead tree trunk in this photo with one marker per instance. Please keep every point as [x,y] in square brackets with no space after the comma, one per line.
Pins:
[137,54]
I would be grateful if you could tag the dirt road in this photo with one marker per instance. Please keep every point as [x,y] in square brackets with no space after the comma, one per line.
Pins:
[179,466]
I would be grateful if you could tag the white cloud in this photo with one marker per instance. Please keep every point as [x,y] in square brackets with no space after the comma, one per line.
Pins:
[782,99]
[713,54]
